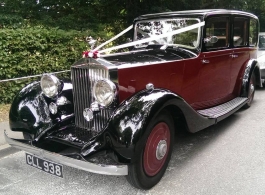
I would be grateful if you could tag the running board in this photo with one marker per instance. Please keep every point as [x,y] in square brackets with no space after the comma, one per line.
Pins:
[222,110]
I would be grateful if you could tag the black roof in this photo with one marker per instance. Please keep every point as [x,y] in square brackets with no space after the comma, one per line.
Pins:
[195,13]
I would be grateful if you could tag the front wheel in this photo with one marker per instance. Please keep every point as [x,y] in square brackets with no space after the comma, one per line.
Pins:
[148,170]
[251,90]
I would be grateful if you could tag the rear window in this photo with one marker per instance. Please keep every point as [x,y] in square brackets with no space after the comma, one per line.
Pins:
[253,32]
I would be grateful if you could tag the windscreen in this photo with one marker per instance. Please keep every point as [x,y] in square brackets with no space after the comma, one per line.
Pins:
[151,28]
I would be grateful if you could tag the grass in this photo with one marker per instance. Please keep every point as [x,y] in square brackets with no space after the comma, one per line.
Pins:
[4,112]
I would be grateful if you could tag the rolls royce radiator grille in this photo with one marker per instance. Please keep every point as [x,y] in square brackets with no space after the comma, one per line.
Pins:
[83,79]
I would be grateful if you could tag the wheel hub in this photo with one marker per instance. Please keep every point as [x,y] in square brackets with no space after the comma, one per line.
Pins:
[161,149]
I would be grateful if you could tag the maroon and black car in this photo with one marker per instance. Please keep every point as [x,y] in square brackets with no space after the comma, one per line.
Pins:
[117,113]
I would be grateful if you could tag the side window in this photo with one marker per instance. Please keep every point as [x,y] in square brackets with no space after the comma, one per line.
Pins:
[217,33]
[253,32]
[240,32]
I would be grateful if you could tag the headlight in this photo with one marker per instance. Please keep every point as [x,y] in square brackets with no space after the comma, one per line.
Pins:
[50,85]
[104,92]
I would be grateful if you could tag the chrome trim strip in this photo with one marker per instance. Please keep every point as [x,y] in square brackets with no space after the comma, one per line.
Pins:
[123,66]
[79,164]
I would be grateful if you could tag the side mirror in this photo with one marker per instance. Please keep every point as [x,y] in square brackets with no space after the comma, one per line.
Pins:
[212,39]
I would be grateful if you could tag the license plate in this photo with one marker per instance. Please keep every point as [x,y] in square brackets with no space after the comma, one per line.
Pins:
[44,165]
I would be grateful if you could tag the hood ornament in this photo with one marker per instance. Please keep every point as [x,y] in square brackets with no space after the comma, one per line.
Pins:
[91,53]
[91,42]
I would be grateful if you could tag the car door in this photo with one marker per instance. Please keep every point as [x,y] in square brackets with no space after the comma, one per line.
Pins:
[216,59]
[240,54]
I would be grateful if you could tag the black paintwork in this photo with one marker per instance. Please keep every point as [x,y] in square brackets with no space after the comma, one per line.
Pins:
[252,67]
[125,130]
[194,13]
[30,113]
[151,54]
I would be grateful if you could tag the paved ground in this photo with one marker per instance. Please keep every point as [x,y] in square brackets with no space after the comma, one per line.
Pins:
[5,149]
[227,158]
[3,125]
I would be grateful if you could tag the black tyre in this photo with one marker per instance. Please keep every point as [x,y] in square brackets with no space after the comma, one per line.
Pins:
[148,170]
[251,90]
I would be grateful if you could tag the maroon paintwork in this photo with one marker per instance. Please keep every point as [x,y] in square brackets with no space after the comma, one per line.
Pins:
[200,84]
[207,79]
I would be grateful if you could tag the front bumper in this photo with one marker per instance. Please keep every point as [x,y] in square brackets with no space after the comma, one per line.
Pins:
[71,162]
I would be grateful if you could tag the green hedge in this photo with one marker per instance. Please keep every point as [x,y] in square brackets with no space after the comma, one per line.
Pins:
[32,51]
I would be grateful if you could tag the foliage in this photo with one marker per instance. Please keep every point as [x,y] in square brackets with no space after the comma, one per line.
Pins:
[33,51]
[10,21]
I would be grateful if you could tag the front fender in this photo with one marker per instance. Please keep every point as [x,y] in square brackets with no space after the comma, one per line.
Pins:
[126,128]
[30,113]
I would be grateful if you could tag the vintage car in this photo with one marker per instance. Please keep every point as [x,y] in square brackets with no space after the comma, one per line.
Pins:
[118,113]
[261,55]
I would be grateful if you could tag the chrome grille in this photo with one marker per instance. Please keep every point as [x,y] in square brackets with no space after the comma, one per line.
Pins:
[83,78]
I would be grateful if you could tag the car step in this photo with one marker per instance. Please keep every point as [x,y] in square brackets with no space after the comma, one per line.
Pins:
[220,110]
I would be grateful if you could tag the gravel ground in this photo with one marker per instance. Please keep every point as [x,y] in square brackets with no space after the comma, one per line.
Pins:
[4,112]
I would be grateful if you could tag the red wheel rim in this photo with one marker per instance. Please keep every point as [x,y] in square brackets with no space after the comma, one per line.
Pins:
[156,149]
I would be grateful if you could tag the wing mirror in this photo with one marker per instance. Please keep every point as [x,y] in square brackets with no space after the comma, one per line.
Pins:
[212,39]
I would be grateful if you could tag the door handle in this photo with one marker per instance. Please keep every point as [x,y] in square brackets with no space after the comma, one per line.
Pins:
[234,56]
[205,61]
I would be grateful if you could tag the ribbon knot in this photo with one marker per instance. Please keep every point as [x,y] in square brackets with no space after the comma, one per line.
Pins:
[91,54]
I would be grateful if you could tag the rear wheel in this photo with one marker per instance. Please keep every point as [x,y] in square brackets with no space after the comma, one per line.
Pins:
[251,90]
[148,170]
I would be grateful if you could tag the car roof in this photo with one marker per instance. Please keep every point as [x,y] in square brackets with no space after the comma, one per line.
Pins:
[195,13]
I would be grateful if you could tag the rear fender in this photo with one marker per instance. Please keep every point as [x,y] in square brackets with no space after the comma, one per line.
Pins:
[252,67]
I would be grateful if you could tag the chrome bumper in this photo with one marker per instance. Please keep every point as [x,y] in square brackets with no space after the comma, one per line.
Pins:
[79,164]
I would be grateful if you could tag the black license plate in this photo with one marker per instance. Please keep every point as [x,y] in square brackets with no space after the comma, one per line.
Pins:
[44,165]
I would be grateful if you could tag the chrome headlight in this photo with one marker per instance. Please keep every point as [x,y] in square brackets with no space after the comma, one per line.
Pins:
[50,85]
[104,92]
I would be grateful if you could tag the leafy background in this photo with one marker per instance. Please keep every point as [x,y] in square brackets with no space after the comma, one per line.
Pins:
[38,36]
[33,51]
